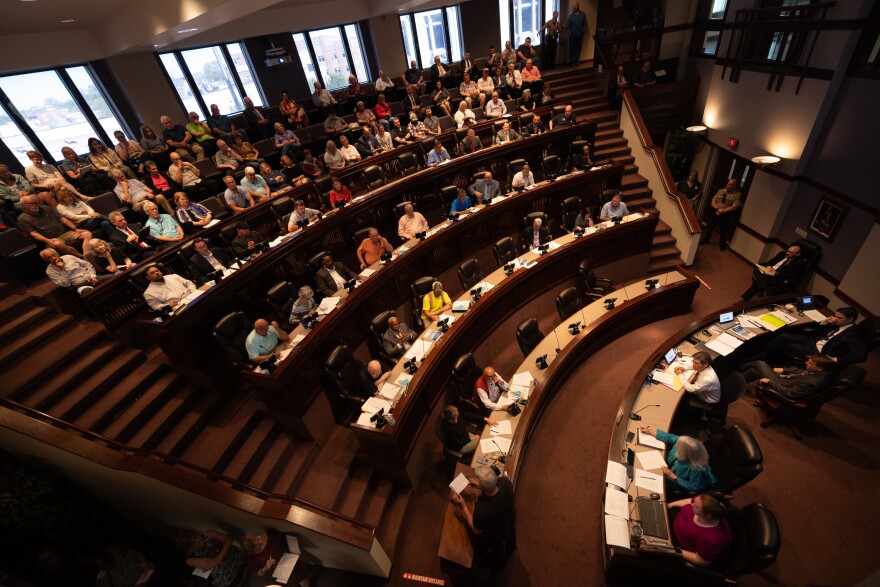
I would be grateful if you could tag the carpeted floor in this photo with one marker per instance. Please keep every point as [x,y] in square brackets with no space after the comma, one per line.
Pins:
[819,488]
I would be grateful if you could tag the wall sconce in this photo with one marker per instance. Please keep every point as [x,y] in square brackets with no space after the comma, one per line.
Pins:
[766,160]
[698,129]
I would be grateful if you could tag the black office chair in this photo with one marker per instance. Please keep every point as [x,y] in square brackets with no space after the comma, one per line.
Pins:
[460,134]
[504,251]
[525,119]
[591,286]
[418,290]
[575,148]
[607,195]
[282,208]
[551,166]
[735,459]
[323,185]
[137,277]
[216,206]
[732,388]
[452,456]
[469,274]
[557,110]
[528,336]
[465,373]
[230,334]
[374,177]
[342,370]
[798,414]
[399,209]
[378,327]
[529,219]
[360,235]
[427,146]
[756,544]
[568,302]
[447,196]
[571,207]
[315,260]
[280,298]
[228,232]
[408,164]
[186,250]
[513,168]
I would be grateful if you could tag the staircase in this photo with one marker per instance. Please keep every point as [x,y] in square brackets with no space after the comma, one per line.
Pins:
[580,88]
[85,381]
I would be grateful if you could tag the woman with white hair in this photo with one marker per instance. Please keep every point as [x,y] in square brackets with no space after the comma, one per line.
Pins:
[303,306]
[687,459]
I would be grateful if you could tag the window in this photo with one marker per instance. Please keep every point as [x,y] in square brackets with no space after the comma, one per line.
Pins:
[524,18]
[707,27]
[432,32]
[338,53]
[48,110]
[219,74]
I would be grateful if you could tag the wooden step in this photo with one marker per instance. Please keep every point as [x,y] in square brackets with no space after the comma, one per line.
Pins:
[13,304]
[259,456]
[282,464]
[38,335]
[392,521]
[34,378]
[328,472]
[290,479]
[608,133]
[165,385]
[22,320]
[354,492]
[176,426]
[376,501]
[131,421]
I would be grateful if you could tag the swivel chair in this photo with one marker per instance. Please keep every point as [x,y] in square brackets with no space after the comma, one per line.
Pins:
[469,274]
[528,336]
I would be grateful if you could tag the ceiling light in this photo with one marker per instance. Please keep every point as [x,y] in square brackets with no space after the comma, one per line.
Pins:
[697,129]
[67,20]
[181,31]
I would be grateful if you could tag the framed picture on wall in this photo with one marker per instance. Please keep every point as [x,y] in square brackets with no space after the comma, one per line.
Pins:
[827,218]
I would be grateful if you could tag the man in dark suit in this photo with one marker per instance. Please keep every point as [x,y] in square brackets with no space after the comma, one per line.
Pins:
[206,261]
[535,235]
[535,127]
[332,276]
[780,274]
[441,73]
[470,144]
[793,383]
[124,237]
[838,338]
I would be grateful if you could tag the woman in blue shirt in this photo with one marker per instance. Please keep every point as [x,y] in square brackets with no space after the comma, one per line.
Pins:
[688,461]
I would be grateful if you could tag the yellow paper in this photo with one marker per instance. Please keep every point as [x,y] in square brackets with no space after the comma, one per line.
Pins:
[772,320]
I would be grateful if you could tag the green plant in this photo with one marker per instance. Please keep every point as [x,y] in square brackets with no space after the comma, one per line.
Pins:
[680,153]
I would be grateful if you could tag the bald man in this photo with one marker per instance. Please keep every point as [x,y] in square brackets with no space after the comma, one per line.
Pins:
[371,378]
[263,340]
[489,389]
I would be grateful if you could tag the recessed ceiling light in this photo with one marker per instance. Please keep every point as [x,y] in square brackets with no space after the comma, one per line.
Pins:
[186,30]
[67,20]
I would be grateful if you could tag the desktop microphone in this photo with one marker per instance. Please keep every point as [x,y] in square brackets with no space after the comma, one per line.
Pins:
[443,325]
[302,223]
[635,415]
[574,327]
[411,366]
[651,284]
[558,350]
[503,456]
[541,362]
[509,268]
[350,285]
[453,217]
[609,303]
[386,258]
[477,293]
[421,235]
[542,249]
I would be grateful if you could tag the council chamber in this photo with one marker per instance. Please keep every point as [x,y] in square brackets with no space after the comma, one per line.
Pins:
[474,294]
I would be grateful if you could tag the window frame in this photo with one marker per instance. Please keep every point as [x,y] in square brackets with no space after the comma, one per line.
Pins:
[703,24]
[8,107]
[450,52]
[545,13]
[352,68]
[177,54]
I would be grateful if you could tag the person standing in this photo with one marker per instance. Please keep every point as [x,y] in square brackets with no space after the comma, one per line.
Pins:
[551,40]
[576,25]
[723,214]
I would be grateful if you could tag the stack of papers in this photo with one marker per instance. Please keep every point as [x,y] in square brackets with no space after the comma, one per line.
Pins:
[191,296]
[484,286]
[554,245]
[724,344]
[520,385]
[502,427]
[616,474]
[814,315]
[616,503]
[403,380]
[431,334]
[367,272]
[670,379]
[370,407]
[495,444]
[616,532]
[328,304]
[390,392]
[771,321]
[419,350]
[461,306]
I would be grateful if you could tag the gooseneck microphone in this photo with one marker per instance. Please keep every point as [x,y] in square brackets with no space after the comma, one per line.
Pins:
[635,415]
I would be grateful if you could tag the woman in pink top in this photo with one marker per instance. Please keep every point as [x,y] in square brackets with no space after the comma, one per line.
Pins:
[701,531]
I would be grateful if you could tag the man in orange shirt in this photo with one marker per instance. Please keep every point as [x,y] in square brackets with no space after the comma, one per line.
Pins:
[372,248]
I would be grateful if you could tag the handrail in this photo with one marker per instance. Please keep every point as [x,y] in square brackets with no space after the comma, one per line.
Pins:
[156,456]
[662,168]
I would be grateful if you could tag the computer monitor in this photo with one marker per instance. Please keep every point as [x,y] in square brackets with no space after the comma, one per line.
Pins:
[670,355]
[726,317]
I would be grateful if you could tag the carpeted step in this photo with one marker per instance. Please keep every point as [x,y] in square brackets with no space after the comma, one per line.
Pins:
[662,240]
[632,180]
[38,335]
[354,492]
[608,133]
[86,403]
[255,451]
[13,305]
[284,455]
[174,424]
[375,502]
[328,472]
[287,476]
[33,378]
[167,383]
[607,142]
[217,443]
[22,320]
[388,532]
[157,399]
[669,251]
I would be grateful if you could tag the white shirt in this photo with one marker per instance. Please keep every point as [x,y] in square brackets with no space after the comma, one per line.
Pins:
[490,398]
[707,387]
[460,117]
[494,110]
[350,153]
[520,181]
[334,159]
[336,277]
[485,84]
[210,258]
[173,289]
[820,344]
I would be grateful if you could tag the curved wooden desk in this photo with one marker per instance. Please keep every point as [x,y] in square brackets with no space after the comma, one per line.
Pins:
[626,564]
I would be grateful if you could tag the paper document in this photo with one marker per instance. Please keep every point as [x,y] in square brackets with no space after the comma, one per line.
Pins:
[370,407]
[284,568]
[502,427]
[553,245]
[191,296]
[616,474]
[649,481]
[784,316]
[292,544]
[202,574]
[648,440]
[212,223]
[724,344]
[418,350]
[328,304]
[402,250]
[277,241]
[402,380]
[484,286]
[616,503]
[459,483]
[772,322]
[431,334]
[616,532]
[814,315]
[462,306]
[520,385]
[390,391]
[495,444]
[651,459]
[670,380]
[448,317]
[367,272]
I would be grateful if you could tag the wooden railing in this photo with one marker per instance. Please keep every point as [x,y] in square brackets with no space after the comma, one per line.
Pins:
[667,106]
[621,48]
[675,210]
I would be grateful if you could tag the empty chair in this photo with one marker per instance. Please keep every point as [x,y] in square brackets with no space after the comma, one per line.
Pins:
[323,185]
[528,336]
[801,412]
[419,289]
[360,235]
[568,302]
[217,209]
[735,458]
[469,274]
[408,164]
[374,177]
[504,251]
[280,298]
[207,169]
[465,373]
[571,207]
[342,370]
[228,232]
[551,166]
[230,333]
[591,286]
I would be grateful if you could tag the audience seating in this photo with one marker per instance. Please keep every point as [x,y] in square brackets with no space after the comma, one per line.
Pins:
[374,177]
[106,203]
[504,251]
[230,333]
[568,302]
[528,335]
[23,255]
[217,209]
[342,369]
[207,168]
[591,286]
[469,274]
[465,373]
[419,289]
[446,123]
[798,413]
